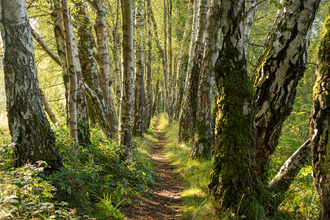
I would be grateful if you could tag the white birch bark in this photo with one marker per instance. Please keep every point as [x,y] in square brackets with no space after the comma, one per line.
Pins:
[32,138]
[103,55]
[127,97]
[72,72]
[47,108]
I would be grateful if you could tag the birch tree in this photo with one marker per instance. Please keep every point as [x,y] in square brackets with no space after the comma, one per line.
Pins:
[281,66]
[138,120]
[32,137]
[127,97]
[103,58]
[204,133]
[72,72]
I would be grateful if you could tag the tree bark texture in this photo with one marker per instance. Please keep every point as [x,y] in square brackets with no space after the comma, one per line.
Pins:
[72,72]
[32,136]
[47,108]
[193,75]
[281,66]
[285,177]
[139,103]
[180,75]
[204,133]
[320,122]
[127,97]
[234,170]
[88,68]
[57,19]
[103,55]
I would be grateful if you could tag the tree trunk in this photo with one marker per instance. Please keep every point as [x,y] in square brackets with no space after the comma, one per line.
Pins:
[154,102]
[193,75]
[319,123]
[285,177]
[182,64]
[57,19]
[185,114]
[234,176]
[139,103]
[148,74]
[281,66]
[204,133]
[88,68]
[47,108]
[127,97]
[82,106]
[72,72]
[31,134]
[103,55]
[161,52]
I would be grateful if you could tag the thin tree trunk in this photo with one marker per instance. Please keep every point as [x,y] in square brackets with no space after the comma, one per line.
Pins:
[285,177]
[47,108]
[88,68]
[138,120]
[320,122]
[103,55]
[161,52]
[184,117]
[281,66]
[182,63]
[72,73]
[189,113]
[204,133]
[155,98]
[32,138]
[125,123]
[57,19]
[148,73]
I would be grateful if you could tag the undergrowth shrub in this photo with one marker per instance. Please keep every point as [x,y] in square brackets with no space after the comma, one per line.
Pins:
[94,182]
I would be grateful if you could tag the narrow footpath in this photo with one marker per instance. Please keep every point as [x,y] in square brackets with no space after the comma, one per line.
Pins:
[166,202]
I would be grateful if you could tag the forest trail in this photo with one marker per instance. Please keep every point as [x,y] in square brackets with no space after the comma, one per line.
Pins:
[166,202]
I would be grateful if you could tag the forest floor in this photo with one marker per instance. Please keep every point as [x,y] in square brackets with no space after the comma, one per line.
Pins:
[166,202]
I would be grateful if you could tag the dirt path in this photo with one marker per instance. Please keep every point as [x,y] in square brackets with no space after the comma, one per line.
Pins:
[166,202]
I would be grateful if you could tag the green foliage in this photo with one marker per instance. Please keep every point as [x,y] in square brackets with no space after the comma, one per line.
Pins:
[94,182]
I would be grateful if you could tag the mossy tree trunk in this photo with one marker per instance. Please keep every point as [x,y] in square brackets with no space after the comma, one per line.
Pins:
[320,124]
[234,173]
[281,66]
[31,133]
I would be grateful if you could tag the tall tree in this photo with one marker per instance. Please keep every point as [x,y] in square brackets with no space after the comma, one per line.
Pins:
[127,97]
[280,67]
[193,75]
[180,75]
[234,170]
[103,58]
[31,133]
[319,123]
[204,133]
[139,103]
[72,72]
